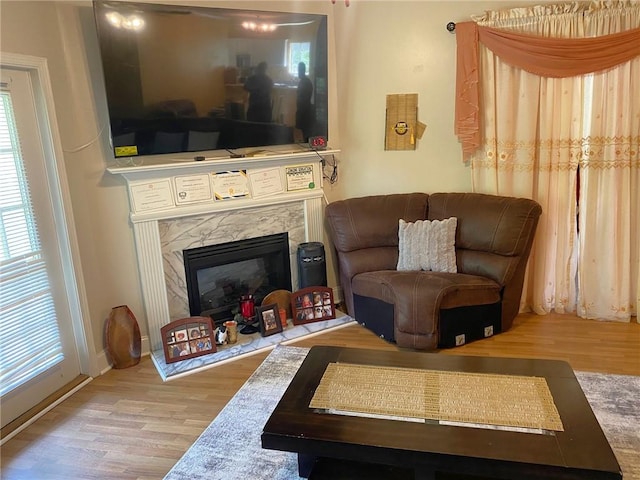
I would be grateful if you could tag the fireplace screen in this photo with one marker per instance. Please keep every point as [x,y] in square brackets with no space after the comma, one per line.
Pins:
[218,275]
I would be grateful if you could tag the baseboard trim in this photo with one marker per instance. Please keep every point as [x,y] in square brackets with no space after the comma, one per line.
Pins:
[23,421]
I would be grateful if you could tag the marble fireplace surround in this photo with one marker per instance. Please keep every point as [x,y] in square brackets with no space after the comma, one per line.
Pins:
[185,233]
[162,233]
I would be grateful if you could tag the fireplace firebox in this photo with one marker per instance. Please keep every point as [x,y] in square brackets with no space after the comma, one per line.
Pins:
[218,275]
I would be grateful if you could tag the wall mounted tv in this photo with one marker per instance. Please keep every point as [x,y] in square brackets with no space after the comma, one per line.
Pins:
[177,76]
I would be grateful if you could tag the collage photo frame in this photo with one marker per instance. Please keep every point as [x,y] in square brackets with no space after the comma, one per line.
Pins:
[312,304]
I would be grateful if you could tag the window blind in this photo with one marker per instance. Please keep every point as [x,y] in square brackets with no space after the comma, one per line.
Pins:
[29,335]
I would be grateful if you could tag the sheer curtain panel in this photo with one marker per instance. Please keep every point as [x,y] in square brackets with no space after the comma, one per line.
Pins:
[570,142]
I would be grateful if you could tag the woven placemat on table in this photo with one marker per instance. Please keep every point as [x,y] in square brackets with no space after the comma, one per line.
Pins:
[505,400]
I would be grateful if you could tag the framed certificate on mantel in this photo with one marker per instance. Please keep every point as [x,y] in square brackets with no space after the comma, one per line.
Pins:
[299,177]
[232,184]
[265,181]
[152,195]
[192,189]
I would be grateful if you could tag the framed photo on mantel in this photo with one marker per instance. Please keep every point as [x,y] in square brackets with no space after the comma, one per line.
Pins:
[188,338]
[312,304]
[269,318]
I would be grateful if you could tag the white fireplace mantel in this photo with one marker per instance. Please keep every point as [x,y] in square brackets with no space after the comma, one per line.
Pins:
[163,174]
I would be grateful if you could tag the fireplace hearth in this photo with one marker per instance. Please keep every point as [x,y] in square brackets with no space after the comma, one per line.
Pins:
[218,275]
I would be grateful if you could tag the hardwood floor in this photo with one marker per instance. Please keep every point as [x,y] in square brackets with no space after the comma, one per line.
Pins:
[128,424]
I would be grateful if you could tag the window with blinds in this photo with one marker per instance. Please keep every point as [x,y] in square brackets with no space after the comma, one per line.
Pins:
[29,336]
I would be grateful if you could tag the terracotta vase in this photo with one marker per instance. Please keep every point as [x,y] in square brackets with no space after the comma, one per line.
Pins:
[123,337]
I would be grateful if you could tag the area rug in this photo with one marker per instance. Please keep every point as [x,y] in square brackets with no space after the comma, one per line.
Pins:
[230,446]
[247,345]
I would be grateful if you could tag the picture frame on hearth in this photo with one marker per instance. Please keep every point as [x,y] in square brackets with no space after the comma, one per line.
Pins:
[188,338]
[269,318]
[312,304]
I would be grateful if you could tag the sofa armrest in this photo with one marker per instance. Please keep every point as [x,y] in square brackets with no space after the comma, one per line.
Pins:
[360,261]
[369,260]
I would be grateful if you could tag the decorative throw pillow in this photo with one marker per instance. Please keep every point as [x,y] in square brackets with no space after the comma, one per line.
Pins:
[427,245]
[442,246]
[412,239]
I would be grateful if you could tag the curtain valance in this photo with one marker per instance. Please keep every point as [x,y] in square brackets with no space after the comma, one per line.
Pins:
[543,56]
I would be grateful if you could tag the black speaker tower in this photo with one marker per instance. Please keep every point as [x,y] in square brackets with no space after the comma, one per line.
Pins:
[312,267]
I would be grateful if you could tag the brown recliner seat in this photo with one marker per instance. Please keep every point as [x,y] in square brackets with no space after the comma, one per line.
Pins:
[424,309]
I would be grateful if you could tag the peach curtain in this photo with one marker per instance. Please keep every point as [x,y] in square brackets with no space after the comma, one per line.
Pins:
[537,134]
[545,56]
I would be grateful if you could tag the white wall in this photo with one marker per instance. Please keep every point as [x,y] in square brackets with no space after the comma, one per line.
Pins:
[381,47]
[397,47]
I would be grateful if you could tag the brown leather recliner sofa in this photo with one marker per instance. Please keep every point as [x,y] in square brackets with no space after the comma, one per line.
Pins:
[425,309]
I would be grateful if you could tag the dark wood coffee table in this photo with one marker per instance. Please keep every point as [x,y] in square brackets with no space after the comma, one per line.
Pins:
[338,446]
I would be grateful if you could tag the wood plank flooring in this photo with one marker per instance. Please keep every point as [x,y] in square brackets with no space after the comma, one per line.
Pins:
[128,424]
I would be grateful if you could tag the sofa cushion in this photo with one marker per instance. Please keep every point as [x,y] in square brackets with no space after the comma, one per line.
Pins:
[461,289]
[416,316]
[427,245]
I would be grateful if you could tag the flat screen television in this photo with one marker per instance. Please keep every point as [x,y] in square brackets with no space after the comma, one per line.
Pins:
[193,78]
